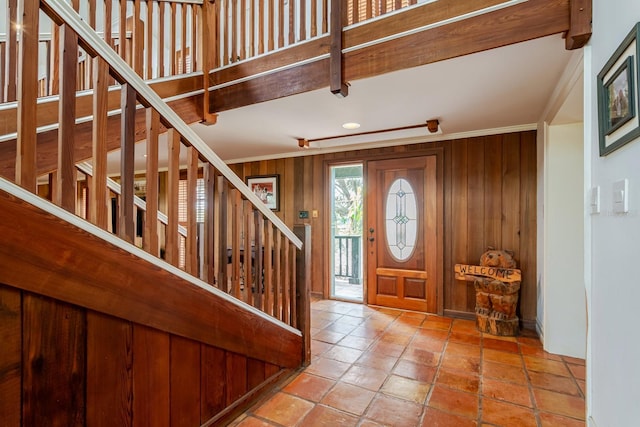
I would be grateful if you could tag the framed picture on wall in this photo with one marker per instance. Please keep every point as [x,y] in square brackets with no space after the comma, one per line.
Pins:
[266,187]
[618,118]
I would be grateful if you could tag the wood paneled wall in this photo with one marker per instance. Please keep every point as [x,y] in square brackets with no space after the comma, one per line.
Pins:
[489,200]
[61,364]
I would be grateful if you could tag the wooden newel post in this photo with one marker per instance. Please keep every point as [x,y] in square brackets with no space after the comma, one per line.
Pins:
[303,293]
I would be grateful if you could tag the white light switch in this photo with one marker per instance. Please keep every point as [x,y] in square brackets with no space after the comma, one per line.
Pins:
[621,196]
[595,200]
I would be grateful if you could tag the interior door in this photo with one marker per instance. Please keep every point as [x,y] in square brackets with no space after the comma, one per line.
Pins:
[402,248]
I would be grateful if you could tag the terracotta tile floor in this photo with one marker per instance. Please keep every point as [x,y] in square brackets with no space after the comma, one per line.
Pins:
[382,367]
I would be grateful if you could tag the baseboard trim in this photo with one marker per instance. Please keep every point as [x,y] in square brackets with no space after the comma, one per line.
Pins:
[456,314]
[529,324]
[540,330]
[258,394]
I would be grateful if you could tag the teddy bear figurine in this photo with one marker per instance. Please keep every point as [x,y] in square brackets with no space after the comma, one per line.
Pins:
[496,300]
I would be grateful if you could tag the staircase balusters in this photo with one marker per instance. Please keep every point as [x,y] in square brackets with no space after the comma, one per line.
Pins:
[10,53]
[66,191]
[292,22]
[268,267]
[98,193]
[171,205]
[148,41]
[281,23]
[258,259]
[243,29]
[314,19]
[238,276]
[183,39]
[223,228]
[192,227]
[249,248]
[126,229]
[197,215]
[277,276]
[286,283]
[150,236]
[27,93]
[293,287]
[210,230]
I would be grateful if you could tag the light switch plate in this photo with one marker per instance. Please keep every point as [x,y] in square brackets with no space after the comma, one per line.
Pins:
[595,200]
[620,196]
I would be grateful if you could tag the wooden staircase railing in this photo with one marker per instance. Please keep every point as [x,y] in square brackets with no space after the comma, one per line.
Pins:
[226,227]
[244,280]
[234,219]
[94,332]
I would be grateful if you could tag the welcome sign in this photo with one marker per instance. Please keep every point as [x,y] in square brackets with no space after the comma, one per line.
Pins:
[503,274]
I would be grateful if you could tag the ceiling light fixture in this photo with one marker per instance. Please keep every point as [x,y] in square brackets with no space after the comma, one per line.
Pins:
[351,125]
[432,125]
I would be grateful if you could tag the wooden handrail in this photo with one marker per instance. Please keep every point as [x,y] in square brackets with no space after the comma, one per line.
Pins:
[92,43]
[21,196]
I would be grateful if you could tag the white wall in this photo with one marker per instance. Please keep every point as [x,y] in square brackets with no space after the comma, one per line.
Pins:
[561,309]
[564,309]
[613,285]
[543,130]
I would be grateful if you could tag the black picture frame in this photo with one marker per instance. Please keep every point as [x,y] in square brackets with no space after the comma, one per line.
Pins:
[618,121]
[266,188]
[619,97]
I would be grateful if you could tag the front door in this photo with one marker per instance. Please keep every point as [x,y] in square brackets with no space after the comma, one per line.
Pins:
[402,224]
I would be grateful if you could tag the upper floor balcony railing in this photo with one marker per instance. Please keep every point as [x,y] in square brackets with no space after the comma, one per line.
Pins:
[156,38]
[249,28]
[161,39]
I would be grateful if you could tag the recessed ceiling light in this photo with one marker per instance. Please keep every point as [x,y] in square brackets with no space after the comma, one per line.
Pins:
[351,125]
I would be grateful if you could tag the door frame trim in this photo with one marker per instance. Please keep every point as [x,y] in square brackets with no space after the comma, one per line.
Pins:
[438,152]
[365,159]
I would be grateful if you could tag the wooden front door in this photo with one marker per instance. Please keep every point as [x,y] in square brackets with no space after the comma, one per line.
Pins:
[402,232]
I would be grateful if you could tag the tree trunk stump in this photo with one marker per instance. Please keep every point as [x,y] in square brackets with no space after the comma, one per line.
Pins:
[496,304]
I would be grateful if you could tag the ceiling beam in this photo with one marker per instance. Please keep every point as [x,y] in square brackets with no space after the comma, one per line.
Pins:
[48,110]
[337,85]
[189,109]
[580,31]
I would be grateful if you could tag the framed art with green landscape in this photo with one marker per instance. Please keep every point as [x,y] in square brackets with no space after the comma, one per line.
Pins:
[618,119]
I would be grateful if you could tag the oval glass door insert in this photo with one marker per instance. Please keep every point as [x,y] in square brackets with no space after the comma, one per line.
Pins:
[401,219]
